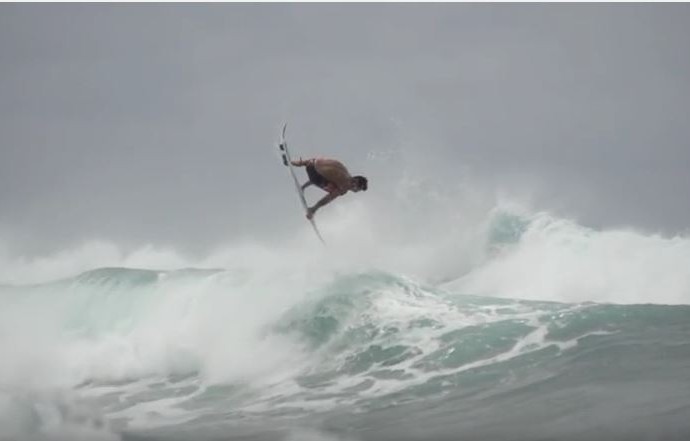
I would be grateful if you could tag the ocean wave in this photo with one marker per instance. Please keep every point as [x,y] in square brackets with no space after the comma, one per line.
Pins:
[161,347]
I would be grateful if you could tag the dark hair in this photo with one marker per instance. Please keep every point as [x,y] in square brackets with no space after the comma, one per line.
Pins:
[361,182]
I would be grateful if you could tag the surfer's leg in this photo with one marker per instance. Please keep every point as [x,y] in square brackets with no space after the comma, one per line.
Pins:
[306,184]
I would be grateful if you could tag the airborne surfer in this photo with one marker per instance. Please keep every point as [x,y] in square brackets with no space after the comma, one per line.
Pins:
[332,177]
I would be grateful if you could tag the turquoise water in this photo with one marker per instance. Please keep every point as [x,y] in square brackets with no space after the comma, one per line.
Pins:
[357,354]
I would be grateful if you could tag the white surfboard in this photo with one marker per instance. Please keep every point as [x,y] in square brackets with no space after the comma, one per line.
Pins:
[287,161]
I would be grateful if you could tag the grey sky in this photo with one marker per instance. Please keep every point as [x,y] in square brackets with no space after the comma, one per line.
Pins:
[155,123]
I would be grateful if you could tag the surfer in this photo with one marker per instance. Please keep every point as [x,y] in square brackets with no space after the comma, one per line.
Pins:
[332,177]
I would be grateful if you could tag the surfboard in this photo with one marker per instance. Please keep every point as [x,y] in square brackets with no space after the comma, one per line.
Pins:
[287,161]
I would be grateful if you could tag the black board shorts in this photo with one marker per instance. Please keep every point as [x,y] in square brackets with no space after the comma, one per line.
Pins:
[315,178]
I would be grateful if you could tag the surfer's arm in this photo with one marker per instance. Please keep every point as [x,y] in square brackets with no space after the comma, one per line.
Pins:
[301,162]
[324,201]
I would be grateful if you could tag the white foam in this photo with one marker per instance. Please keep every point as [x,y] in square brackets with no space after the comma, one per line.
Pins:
[49,416]
[558,260]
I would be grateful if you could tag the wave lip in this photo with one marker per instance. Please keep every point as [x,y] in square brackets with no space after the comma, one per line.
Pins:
[541,257]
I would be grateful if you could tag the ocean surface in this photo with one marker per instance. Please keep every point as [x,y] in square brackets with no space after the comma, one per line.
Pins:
[552,332]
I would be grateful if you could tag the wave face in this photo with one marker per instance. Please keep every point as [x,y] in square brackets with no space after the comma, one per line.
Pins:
[274,353]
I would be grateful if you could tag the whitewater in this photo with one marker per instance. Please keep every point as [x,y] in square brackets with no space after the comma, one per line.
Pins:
[505,325]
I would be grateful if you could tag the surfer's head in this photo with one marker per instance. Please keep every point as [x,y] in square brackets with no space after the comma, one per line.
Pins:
[359,183]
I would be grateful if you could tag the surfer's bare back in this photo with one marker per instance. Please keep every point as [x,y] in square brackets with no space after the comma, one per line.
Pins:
[331,176]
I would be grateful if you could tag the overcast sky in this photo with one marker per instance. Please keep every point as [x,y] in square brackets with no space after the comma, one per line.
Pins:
[156,123]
